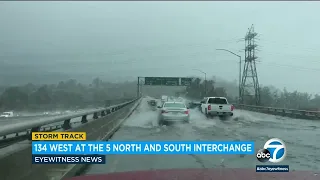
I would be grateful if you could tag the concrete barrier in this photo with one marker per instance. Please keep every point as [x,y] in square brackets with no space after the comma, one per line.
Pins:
[17,165]
[76,169]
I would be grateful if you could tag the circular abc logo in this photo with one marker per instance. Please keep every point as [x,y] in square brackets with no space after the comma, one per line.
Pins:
[274,151]
[263,155]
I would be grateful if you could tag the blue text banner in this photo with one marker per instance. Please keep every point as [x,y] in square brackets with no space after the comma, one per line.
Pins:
[174,147]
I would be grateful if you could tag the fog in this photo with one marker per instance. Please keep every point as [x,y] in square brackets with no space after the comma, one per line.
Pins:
[51,41]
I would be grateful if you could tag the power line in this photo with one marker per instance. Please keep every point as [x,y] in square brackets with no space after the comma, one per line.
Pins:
[273,64]
[301,58]
[265,41]
[288,66]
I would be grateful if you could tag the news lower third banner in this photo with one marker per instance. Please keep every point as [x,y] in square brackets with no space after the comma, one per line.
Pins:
[59,136]
[171,147]
[68,159]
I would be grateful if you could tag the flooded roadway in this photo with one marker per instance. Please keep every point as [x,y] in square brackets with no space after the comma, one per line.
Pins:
[301,138]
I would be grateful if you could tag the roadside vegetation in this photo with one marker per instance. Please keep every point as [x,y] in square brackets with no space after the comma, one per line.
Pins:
[270,96]
[71,94]
[68,94]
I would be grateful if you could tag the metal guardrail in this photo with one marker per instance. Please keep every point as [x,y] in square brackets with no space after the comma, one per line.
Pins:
[17,137]
[294,113]
[23,130]
[15,160]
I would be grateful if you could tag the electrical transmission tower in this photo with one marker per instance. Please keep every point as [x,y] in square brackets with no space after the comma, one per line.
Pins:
[250,90]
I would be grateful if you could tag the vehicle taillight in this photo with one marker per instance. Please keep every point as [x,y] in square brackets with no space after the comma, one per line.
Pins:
[232,107]
[163,111]
[209,107]
[186,112]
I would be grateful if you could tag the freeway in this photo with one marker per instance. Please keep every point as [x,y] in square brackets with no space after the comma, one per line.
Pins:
[301,138]
[34,117]
[16,121]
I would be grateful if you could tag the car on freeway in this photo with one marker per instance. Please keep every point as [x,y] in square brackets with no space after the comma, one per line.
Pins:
[180,99]
[152,102]
[164,98]
[6,114]
[173,112]
[216,106]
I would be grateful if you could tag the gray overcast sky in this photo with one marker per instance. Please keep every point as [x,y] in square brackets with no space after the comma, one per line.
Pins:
[123,39]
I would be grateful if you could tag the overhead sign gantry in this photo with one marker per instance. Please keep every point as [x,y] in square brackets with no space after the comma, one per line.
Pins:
[163,81]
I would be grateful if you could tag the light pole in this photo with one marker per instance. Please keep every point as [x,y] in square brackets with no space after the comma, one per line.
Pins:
[239,69]
[205,80]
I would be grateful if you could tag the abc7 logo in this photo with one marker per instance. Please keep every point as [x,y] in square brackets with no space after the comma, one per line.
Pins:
[274,151]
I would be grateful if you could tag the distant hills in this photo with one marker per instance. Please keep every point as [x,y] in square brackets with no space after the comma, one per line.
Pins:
[23,73]
[19,74]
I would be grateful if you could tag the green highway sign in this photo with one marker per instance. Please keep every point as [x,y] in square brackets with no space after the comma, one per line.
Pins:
[186,81]
[165,81]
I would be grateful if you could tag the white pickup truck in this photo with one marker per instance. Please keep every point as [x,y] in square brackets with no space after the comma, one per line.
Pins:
[216,106]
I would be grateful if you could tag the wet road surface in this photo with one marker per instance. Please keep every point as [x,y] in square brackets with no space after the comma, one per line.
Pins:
[301,138]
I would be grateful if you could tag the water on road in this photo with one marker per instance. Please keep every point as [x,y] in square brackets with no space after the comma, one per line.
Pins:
[301,138]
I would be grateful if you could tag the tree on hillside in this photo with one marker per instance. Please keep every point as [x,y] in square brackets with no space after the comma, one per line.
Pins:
[14,97]
[65,94]
[197,89]
[269,95]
